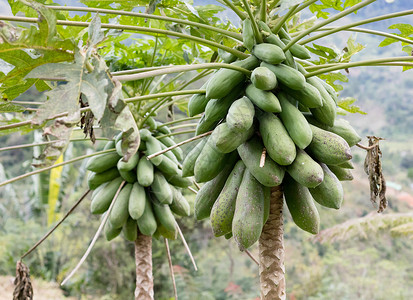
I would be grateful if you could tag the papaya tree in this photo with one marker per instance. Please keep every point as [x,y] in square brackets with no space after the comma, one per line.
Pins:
[266,119]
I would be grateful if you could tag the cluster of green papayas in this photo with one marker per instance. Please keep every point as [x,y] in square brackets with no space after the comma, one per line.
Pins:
[151,194]
[274,127]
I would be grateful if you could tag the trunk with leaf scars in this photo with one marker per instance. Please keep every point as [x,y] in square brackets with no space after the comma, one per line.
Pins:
[271,251]
[143,261]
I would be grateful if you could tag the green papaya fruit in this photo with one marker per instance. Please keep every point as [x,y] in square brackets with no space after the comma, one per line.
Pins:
[103,162]
[119,213]
[280,147]
[265,100]
[164,216]
[189,162]
[136,205]
[209,162]
[144,172]
[130,230]
[178,180]
[179,205]
[309,96]
[223,209]
[223,81]
[161,189]
[295,123]
[249,212]
[326,114]
[248,37]
[305,170]
[250,152]
[209,192]
[262,78]
[240,115]
[197,103]
[301,205]
[330,192]
[341,173]
[111,232]
[94,180]
[147,223]
[298,51]
[287,76]
[101,202]
[227,140]
[328,147]
[270,53]
[129,165]
[153,146]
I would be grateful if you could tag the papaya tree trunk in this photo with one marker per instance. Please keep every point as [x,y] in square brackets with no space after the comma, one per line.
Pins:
[271,251]
[143,261]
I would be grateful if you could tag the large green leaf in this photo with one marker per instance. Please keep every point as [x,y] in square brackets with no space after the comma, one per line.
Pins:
[28,48]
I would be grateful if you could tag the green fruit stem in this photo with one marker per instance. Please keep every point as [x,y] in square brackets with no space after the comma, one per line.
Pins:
[257,32]
[371,62]
[283,19]
[362,22]
[263,11]
[328,21]
[234,35]
[239,13]
[178,121]
[181,68]
[149,31]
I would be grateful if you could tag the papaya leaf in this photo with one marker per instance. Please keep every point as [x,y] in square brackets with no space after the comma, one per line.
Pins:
[406,31]
[352,48]
[6,107]
[331,78]
[26,49]
[347,105]
[350,3]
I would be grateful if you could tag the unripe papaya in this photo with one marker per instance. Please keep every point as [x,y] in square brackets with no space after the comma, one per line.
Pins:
[145,172]
[295,123]
[209,192]
[94,180]
[103,162]
[119,213]
[330,192]
[130,230]
[248,37]
[297,50]
[223,81]
[111,232]
[164,216]
[286,75]
[309,96]
[209,163]
[179,205]
[189,162]
[129,165]
[240,115]
[197,103]
[178,180]
[227,140]
[161,189]
[328,147]
[265,100]
[249,212]
[278,143]
[269,53]
[341,173]
[223,209]
[305,170]
[301,205]
[137,197]
[263,79]
[326,114]
[250,152]
[153,146]
[101,202]
[147,223]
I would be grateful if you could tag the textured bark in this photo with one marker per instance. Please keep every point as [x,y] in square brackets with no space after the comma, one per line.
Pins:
[271,251]
[143,261]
